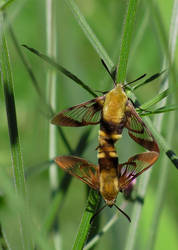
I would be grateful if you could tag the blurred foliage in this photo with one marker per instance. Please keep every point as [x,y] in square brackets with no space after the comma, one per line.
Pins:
[76,54]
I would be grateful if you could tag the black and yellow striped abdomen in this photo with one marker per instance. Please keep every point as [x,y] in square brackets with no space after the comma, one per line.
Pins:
[111,126]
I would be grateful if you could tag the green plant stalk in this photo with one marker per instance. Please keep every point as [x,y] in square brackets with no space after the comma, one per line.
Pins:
[136,212]
[17,164]
[108,225]
[92,204]
[52,211]
[126,40]
[51,97]
[138,37]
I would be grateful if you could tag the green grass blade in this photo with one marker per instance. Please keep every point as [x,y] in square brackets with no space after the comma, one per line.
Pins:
[90,34]
[29,70]
[61,69]
[150,79]
[92,204]
[56,202]
[17,164]
[6,79]
[36,85]
[155,99]
[126,40]
[164,109]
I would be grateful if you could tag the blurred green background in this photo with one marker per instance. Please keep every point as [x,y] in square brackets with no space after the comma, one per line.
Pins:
[76,54]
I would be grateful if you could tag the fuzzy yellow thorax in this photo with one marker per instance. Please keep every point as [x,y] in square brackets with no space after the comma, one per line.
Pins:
[115,105]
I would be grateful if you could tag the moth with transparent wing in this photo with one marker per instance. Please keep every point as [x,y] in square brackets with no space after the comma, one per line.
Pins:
[114,111]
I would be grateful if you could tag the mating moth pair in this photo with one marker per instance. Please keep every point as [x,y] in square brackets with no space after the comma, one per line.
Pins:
[114,111]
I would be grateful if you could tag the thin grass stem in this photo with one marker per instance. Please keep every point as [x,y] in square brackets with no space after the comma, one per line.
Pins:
[93,201]
[126,40]
[51,97]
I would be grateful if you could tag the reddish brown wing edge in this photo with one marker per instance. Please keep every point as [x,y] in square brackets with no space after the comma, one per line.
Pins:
[80,168]
[81,114]
[149,141]
[135,166]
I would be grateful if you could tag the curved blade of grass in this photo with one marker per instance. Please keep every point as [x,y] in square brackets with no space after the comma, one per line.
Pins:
[164,109]
[17,164]
[90,34]
[37,87]
[155,99]
[38,168]
[61,69]
[126,40]
[150,79]
[92,204]
[28,68]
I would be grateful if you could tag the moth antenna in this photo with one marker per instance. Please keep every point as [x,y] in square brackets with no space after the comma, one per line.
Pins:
[123,212]
[102,92]
[140,77]
[99,210]
[112,74]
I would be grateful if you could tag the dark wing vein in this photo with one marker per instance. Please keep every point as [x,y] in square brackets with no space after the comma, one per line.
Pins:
[138,131]
[135,166]
[80,168]
[87,113]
